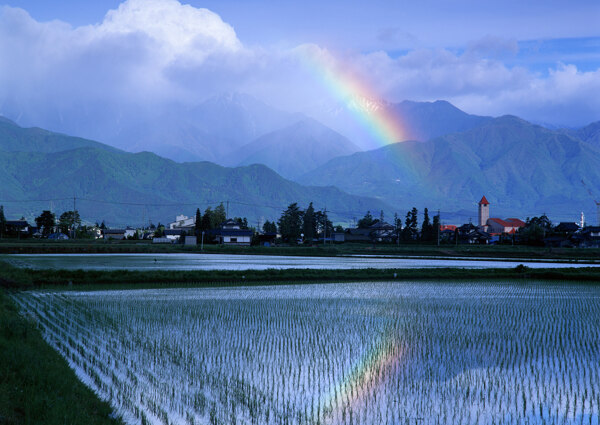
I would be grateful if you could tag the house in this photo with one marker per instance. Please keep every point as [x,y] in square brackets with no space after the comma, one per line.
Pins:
[183,222]
[130,232]
[231,233]
[510,225]
[266,238]
[378,232]
[174,234]
[495,225]
[18,228]
[567,227]
[470,234]
[117,234]
[589,237]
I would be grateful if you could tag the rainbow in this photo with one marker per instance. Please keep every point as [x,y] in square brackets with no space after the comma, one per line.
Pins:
[378,120]
[364,379]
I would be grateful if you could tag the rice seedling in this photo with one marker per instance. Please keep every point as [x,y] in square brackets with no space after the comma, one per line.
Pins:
[388,352]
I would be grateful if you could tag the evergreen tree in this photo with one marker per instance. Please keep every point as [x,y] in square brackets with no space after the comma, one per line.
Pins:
[436,227]
[2,221]
[426,227]
[269,227]
[198,223]
[366,222]
[46,222]
[309,226]
[290,223]
[206,223]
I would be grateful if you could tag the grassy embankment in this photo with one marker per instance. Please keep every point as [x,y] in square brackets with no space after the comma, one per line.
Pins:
[17,278]
[36,384]
[29,246]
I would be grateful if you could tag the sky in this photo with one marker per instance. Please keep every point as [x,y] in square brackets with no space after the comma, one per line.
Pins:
[539,60]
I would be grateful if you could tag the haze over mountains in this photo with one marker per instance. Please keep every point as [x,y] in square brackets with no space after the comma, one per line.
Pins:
[453,159]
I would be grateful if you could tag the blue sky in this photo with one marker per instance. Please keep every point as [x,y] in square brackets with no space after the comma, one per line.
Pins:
[536,59]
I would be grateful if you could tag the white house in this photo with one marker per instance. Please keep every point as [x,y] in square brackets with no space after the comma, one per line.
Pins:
[230,233]
[182,222]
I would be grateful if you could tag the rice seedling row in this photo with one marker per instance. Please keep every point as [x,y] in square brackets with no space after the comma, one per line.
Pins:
[389,353]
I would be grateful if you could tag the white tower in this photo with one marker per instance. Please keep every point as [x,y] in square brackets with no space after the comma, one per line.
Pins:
[484,212]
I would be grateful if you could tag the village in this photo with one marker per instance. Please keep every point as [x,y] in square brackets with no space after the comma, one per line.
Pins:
[310,227]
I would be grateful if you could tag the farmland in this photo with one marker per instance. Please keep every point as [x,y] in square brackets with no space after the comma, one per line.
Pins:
[354,353]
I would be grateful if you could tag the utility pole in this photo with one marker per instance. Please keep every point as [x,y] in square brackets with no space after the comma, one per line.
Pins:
[324,225]
[438,228]
[73,233]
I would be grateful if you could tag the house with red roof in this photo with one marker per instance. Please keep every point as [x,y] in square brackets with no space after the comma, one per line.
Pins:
[494,225]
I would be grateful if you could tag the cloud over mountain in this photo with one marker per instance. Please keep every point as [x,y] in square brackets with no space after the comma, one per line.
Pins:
[147,55]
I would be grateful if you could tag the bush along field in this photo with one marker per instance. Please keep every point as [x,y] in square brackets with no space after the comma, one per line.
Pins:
[36,384]
[355,353]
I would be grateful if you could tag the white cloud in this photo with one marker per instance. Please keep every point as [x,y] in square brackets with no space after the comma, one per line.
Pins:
[153,53]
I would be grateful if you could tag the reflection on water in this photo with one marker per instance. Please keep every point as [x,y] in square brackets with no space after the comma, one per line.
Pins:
[251,262]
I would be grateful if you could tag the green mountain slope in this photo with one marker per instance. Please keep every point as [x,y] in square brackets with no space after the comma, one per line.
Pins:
[14,138]
[523,169]
[107,183]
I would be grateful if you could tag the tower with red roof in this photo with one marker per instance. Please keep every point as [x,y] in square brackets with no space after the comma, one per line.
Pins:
[484,212]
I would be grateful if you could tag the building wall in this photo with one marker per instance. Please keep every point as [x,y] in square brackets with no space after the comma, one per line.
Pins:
[239,239]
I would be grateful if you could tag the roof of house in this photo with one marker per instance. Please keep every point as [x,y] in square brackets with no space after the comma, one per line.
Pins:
[483,201]
[509,222]
[174,232]
[567,227]
[516,222]
[17,223]
[113,231]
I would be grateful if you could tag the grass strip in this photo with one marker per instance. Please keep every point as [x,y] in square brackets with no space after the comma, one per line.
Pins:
[14,277]
[36,384]
[30,246]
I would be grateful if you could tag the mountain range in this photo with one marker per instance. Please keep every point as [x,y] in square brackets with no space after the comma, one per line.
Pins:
[132,188]
[256,151]
[522,168]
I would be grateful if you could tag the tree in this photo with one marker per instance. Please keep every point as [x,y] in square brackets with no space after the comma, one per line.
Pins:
[366,222]
[206,220]
[242,222]
[2,221]
[198,223]
[160,231]
[290,223]
[269,227]
[309,226]
[426,227]
[535,230]
[436,227]
[411,231]
[103,226]
[68,221]
[46,222]
[324,225]
[218,217]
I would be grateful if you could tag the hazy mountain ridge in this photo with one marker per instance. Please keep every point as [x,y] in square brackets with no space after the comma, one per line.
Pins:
[296,149]
[521,168]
